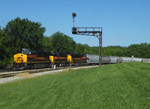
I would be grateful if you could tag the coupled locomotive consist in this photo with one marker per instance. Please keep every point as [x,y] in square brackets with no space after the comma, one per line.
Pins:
[39,59]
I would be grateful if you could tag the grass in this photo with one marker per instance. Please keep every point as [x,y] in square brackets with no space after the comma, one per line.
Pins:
[117,86]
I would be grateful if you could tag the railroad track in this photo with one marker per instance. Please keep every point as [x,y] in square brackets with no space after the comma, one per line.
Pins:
[17,75]
[6,74]
[9,74]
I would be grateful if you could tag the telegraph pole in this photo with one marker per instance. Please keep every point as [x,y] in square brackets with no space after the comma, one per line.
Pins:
[89,31]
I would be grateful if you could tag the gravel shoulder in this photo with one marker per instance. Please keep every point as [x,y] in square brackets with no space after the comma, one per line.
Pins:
[33,75]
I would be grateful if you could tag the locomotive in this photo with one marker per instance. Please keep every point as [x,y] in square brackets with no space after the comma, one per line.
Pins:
[39,59]
[31,59]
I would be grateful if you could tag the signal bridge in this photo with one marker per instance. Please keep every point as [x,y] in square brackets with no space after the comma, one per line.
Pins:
[89,31]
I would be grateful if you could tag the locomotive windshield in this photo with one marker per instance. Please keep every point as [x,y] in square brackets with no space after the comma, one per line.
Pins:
[26,51]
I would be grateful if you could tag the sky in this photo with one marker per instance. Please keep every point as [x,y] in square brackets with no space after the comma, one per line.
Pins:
[124,22]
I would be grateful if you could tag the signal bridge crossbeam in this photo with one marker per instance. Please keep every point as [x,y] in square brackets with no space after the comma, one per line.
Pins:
[89,31]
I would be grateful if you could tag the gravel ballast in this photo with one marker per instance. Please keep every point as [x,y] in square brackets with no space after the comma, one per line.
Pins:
[19,76]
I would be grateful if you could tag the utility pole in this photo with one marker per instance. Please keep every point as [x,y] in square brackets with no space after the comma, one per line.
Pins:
[89,31]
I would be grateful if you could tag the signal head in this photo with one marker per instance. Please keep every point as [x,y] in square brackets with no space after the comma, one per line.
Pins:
[74,15]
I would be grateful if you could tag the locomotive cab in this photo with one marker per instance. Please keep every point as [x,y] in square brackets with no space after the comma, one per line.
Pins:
[20,60]
[31,59]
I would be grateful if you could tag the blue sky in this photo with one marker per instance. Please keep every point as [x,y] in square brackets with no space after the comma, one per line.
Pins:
[124,22]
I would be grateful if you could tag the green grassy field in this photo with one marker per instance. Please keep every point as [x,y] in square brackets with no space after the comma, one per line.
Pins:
[117,86]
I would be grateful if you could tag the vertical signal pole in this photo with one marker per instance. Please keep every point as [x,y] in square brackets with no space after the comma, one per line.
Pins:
[74,15]
[100,49]
[89,31]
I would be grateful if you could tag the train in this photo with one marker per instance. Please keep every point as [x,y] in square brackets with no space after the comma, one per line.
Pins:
[30,59]
[27,59]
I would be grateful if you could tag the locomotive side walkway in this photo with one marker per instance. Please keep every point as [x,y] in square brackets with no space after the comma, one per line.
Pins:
[31,74]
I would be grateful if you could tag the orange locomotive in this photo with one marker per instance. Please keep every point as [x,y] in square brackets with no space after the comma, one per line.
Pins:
[31,59]
[39,59]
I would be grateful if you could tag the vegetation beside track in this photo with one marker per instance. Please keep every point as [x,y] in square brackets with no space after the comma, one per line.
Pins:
[123,85]
[18,34]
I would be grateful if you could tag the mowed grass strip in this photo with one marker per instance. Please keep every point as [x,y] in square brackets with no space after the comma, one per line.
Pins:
[116,86]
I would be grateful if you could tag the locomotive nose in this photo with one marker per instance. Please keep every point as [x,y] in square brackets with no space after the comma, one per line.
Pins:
[19,59]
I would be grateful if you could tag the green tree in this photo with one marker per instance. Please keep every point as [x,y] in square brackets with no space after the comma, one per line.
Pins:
[47,45]
[2,49]
[79,48]
[62,43]
[4,60]
[22,33]
[114,51]
[1,44]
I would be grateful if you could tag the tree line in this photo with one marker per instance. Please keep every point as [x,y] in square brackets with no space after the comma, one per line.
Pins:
[23,33]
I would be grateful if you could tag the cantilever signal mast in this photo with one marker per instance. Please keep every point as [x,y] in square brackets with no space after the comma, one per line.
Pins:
[89,31]
[74,15]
